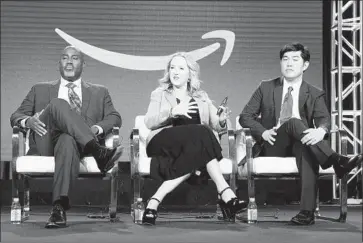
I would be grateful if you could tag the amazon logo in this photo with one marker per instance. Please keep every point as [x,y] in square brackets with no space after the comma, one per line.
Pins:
[150,63]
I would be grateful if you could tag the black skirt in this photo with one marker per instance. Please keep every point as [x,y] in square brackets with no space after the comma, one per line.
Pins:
[183,149]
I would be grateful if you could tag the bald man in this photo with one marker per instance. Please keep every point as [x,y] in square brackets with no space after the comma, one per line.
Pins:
[68,119]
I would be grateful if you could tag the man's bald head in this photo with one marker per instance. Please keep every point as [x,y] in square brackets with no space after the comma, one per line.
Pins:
[71,63]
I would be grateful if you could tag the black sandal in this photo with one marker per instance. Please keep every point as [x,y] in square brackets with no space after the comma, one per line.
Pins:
[150,215]
[232,207]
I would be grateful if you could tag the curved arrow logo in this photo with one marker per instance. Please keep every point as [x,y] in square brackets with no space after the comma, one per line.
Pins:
[150,63]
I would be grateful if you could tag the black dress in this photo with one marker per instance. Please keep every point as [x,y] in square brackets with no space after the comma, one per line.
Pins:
[184,148]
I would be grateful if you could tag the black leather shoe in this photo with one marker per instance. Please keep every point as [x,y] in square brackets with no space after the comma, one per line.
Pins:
[345,164]
[304,217]
[150,215]
[57,219]
[232,207]
[106,157]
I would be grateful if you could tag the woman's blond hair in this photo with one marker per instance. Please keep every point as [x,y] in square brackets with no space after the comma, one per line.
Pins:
[194,71]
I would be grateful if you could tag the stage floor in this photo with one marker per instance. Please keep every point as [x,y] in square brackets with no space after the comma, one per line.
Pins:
[181,226]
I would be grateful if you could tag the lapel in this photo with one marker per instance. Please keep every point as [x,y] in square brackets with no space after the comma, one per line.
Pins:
[277,96]
[170,98]
[54,89]
[303,95]
[86,97]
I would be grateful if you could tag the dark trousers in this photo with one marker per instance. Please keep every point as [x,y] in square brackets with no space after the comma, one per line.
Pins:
[308,158]
[67,134]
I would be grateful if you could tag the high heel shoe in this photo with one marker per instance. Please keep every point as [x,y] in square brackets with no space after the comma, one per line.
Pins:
[232,207]
[150,215]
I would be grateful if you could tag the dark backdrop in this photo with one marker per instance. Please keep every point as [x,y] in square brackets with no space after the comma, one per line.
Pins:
[30,47]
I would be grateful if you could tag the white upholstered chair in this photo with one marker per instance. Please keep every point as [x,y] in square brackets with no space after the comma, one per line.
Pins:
[140,162]
[24,167]
[280,168]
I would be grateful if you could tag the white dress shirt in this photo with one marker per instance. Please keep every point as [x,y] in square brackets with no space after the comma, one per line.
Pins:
[295,97]
[63,94]
[63,89]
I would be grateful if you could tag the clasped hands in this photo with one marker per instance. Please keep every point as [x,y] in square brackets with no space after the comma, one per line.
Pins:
[312,136]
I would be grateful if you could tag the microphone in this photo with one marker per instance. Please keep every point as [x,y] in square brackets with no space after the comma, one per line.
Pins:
[223,104]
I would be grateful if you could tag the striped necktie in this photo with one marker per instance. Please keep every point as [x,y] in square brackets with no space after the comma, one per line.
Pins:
[74,99]
[286,109]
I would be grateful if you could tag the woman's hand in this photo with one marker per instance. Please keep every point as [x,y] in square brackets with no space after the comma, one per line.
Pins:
[183,108]
[224,115]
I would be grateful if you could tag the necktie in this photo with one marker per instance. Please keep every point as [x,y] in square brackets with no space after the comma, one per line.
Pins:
[286,109]
[74,99]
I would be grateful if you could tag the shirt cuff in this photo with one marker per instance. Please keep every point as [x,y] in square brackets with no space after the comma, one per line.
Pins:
[23,122]
[325,129]
[100,130]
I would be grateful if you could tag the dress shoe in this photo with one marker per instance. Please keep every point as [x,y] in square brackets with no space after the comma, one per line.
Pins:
[150,215]
[57,219]
[345,164]
[232,207]
[106,157]
[304,217]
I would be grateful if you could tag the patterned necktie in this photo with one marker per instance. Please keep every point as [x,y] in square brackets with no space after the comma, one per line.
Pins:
[74,99]
[286,109]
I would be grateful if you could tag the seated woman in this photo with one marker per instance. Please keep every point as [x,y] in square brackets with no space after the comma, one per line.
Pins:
[181,118]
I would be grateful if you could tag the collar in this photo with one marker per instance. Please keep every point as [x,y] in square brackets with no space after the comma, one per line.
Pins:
[65,82]
[295,85]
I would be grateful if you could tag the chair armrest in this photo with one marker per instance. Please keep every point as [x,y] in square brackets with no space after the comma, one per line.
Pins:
[113,139]
[232,150]
[134,151]
[18,147]
[249,141]
[343,135]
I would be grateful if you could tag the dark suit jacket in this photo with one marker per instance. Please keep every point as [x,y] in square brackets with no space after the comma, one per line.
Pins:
[97,107]
[263,110]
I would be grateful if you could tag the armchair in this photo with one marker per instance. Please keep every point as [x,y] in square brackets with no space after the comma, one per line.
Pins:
[140,162]
[283,168]
[24,167]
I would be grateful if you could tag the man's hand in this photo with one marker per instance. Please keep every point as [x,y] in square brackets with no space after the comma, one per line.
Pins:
[268,136]
[36,125]
[95,130]
[313,136]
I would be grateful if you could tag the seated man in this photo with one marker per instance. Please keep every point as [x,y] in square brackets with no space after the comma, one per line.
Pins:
[68,119]
[294,122]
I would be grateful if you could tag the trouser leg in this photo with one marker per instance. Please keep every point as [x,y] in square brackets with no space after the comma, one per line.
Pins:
[67,161]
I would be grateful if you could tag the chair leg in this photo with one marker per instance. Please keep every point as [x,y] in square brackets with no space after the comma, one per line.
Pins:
[136,182]
[26,199]
[343,199]
[317,208]
[112,210]
[219,214]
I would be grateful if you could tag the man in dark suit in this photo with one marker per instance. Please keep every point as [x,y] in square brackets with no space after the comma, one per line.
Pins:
[68,119]
[294,121]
